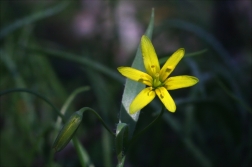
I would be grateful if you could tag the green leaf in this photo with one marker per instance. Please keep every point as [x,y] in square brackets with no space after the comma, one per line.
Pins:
[121,141]
[32,18]
[235,98]
[68,102]
[77,59]
[82,153]
[132,88]
[163,60]
[34,93]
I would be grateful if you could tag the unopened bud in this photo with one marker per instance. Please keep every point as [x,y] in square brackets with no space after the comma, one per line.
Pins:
[67,131]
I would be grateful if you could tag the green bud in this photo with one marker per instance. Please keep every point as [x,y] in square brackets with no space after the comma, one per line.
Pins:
[67,131]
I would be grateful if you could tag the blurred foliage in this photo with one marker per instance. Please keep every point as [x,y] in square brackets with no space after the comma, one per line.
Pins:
[54,47]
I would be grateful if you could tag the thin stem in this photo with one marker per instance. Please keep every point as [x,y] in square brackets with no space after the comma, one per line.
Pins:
[146,128]
[121,141]
[69,100]
[229,93]
[129,144]
[99,117]
[55,109]
[36,94]
[121,164]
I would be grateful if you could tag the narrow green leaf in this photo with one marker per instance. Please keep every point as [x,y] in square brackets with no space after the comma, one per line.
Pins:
[132,88]
[235,98]
[32,18]
[196,53]
[36,94]
[69,101]
[163,60]
[77,59]
[82,153]
[206,36]
[105,109]
[121,141]
[177,127]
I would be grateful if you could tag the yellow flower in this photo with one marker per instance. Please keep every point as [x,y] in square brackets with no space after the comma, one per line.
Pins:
[156,79]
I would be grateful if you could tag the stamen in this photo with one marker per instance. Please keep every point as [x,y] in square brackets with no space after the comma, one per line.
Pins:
[161,95]
[168,69]
[156,81]
[153,69]
[149,93]
[140,80]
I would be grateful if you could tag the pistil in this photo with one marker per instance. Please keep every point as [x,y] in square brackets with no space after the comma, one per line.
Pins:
[156,81]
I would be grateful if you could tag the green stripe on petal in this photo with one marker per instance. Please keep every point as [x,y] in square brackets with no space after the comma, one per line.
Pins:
[166,99]
[141,100]
[149,56]
[171,63]
[136,75]
[182,81]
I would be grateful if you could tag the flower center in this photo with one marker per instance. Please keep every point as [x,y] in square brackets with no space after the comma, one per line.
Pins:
[156,82]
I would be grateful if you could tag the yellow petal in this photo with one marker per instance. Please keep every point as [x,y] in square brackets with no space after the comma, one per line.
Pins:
[171,63]
[141,100]
[149,56]
[136,75]
[166,99]
[180,82]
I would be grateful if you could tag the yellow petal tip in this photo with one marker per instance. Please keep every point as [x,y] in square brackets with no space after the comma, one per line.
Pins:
[172,111]
[118,68]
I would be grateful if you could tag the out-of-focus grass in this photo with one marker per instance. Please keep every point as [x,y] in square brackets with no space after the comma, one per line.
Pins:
[212,124]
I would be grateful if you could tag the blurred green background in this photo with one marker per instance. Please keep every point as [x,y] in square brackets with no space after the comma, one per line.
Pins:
[54,47]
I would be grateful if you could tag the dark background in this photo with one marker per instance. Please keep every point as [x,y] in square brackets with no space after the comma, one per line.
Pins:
[212,124]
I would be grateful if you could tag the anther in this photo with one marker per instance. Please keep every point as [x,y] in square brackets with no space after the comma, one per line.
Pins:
[168,69]
[140,80]
[149,93]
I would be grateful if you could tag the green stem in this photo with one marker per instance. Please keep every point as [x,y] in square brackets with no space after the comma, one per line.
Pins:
[80,150]
[69,100]
[55,109]
[121,163]
[229,93]
[146,128]
[121,141]
[122,135]
[99,117]
[36,94]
